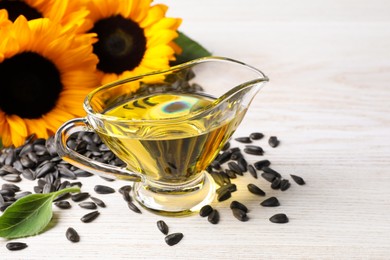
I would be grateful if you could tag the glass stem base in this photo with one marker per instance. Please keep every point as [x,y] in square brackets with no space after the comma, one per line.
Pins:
[176,200]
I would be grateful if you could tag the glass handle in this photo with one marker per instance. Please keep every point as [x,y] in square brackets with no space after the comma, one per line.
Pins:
[83,162]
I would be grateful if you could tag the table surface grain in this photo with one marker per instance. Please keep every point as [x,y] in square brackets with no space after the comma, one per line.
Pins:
[328,101]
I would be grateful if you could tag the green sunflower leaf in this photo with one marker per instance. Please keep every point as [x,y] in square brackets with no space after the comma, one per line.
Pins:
[29,215]
[190,49]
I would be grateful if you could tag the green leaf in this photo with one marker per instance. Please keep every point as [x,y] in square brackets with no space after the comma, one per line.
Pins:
[190,49]
[29,215]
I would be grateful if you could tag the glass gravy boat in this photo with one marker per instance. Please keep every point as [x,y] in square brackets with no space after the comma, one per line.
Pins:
[167,126]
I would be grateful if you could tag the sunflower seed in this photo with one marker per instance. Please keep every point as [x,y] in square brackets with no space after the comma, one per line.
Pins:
[12,177]
[28,174]
[276,183]
[273,141]
[231,174]
[10,186]
[126,188]
[241,162]
[284,185]
[48,188]
[80,196]
[224,157]
[268,176]
[218,178]
[216,165]
[280,218]
[213,217]
[255,190]
[205,210]
[46,168]
[224,195]
[90,216]
[18,165]
[133,207]
[226,146]
[22,194]
[98,202]
[245,140]
[72,235]
[87,205]
[5,205]
[298,180]
[1,200]
[101,189]
[26,149]
[254,150]
[174,238]
[63,204]
[240,214]
[252,171]
[13,246]
[230,187]
[126,196]
[270,202]
[270,170]
[236,155]
[238,205]
[256,136]
[233,166]
[6,192]
[260,164]
[37,189]
[11,157]
[163,227]
[82,173]
[7,169]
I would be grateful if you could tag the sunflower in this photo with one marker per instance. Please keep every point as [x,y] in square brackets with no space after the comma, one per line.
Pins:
[45,73]
[133,37]
[68,13]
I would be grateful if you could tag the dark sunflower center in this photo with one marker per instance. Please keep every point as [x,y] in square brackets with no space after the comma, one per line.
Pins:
[29,85]
[121,45]
[16,8]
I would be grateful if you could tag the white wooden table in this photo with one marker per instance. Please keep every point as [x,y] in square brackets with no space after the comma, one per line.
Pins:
[328,101]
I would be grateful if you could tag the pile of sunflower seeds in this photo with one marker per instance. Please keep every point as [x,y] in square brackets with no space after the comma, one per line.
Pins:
[37,160]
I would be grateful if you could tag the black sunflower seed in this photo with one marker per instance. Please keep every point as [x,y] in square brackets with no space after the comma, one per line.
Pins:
[255,190]
[163,227]
[280,218]
[224,195]
[236,155]
[226,146]
[268,176]
[46,168]
[218,178]
[10,186]
[233,166]
[238,205]
[22,194]
[90,216]
[28,174]
[26,162]
[126,188]
[48,188]
[252,171]
[13,246]
[174,238]
[270,170]
[80,196]
[260,164]
[213,217]
[205,210]
[5,205]
[245,140]
[1,200]
[256,136]
[242,163]
[270,202]
[87,205]
[231,187]
[224,157]
[102,189]
[126,196]
[72,235]
[98,202]
[284,185]
[67,173]
[240,214]
[133,207]
[276,183]
[298,180]
[231,174]
[6,192]
[12,177]
[215,164]
[273,141]
[254,150]
[63,204]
